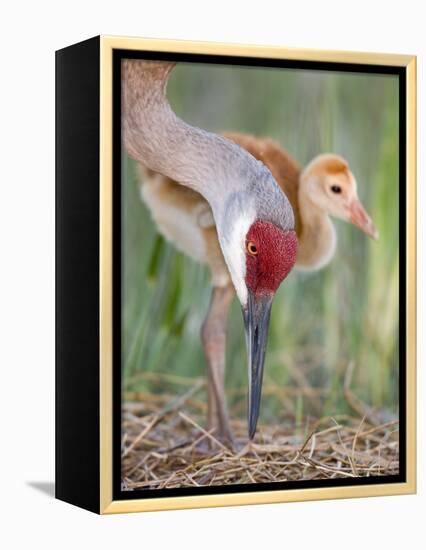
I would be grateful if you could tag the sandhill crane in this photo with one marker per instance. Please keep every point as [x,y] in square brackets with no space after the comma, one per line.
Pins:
[326,186]
[253,217]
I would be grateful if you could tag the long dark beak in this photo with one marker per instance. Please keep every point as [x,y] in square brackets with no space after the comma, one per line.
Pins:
[256,320]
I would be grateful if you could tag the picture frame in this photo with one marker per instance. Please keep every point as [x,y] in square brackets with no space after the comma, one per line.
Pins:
[89,263]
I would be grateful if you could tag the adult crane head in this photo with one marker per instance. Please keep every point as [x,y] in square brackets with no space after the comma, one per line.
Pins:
[256,231]
[253,217]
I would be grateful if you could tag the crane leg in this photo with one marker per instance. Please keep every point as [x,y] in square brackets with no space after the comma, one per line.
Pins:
[213,335]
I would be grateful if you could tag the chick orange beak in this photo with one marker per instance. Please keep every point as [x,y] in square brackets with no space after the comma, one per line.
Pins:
[360,218]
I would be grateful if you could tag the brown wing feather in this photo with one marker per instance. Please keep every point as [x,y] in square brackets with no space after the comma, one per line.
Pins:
[284,168]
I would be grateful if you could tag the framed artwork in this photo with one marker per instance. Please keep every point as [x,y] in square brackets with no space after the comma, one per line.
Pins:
[235,269]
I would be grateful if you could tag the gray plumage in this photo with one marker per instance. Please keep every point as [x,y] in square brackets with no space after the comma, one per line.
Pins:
[229,178]
[240,191]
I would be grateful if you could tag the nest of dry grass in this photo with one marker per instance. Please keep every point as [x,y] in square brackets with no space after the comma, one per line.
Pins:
[164,445]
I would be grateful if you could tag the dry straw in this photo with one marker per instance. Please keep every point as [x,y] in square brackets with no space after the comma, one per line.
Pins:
[164,445]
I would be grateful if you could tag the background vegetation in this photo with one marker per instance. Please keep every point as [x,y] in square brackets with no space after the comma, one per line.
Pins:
[321,322]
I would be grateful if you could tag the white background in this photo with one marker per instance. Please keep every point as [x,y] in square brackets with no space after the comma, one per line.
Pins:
[30,32]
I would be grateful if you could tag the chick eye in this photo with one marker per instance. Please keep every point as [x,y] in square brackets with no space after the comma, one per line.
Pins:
[251,248]
[336,188]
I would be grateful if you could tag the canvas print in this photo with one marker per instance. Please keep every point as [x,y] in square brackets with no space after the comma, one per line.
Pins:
[260,262]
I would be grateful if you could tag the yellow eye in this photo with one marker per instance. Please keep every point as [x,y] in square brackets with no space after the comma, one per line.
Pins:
[251,248]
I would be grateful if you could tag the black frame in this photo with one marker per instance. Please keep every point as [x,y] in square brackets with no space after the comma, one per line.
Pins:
[77,418]
[400,72]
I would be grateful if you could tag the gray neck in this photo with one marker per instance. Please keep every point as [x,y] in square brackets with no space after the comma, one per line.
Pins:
[155,136]
[213,166]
